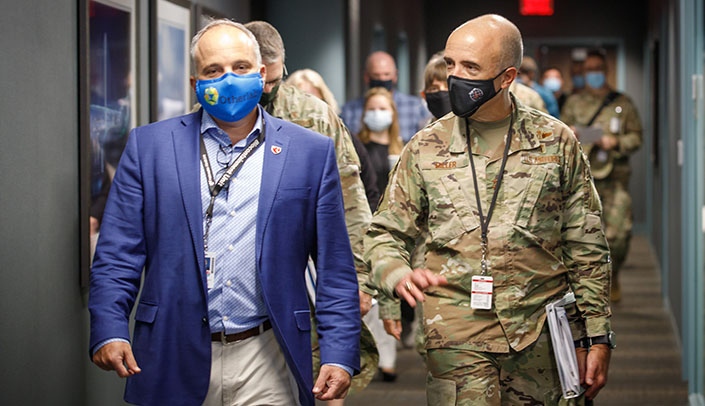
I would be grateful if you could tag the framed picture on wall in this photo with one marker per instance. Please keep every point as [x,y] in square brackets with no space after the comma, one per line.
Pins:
[171,32]
[107,107]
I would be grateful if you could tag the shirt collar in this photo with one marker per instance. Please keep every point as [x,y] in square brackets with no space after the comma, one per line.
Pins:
[522,139]
[209,128]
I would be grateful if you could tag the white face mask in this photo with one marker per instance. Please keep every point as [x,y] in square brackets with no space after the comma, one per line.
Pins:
[377,120]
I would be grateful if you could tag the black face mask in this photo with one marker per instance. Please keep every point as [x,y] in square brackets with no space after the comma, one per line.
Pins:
[387,84]
[466,96]
[267,98]
[438,103]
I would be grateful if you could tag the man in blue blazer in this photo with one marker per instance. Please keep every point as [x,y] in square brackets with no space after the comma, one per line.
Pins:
[221,209]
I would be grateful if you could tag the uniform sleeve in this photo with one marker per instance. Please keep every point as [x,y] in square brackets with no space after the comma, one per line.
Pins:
[585,251]
[391,237]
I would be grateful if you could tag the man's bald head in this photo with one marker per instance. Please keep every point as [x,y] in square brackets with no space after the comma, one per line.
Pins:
[380,66]
[494,33]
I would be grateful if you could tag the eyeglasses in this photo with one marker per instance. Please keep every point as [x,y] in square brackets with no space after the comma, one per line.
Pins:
[225,153]
[223,157]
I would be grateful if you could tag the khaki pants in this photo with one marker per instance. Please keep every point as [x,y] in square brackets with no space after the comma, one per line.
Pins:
[251,372]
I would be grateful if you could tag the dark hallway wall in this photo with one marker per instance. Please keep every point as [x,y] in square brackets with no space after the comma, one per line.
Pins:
[42,344]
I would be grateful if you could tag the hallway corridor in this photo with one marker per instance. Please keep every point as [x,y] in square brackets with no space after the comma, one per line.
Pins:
[645,367]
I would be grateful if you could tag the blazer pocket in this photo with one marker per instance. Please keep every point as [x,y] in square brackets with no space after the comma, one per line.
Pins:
[303,319]
[294,193]
[146,312]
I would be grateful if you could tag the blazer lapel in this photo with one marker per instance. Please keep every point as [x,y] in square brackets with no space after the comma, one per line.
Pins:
[276,149]
[186,150]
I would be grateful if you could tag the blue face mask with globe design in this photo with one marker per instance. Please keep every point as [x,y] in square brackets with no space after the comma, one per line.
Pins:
[230,97]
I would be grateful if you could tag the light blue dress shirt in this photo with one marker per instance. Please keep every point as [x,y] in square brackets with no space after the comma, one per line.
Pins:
[235,301]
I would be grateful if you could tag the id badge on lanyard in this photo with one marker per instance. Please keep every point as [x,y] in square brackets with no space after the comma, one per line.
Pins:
[481,292]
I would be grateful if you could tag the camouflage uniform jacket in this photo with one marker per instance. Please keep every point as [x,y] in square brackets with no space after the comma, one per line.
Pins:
[298,107]
[545,235]
[619,118]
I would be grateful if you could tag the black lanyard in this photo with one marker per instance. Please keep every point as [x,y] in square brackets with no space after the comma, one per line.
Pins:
[215,187]
[485,221]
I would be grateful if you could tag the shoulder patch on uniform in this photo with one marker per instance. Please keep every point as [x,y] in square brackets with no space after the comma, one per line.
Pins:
[540,159]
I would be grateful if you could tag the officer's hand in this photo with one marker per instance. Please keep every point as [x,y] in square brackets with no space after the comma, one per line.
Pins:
[332,383]
[608,142]
[393,328]
[411,287]
[117,356]
[365,303]
[598,361]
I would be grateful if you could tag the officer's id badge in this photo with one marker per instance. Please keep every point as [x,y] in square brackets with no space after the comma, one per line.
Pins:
[210,269]
[481,292]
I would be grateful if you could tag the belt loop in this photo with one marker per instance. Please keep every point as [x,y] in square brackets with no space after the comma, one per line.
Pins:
[261,328]
[223,338]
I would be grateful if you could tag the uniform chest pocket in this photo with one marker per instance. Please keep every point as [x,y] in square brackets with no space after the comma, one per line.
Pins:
[451,211]
[539,197]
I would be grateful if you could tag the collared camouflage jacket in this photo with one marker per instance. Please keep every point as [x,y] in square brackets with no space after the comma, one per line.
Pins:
[545,236]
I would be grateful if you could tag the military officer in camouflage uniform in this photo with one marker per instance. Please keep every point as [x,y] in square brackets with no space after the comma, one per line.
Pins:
[609,156]
[287,102]
[514,220]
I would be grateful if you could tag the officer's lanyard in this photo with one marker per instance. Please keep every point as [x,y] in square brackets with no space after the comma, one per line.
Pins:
[215,187]
[485,221]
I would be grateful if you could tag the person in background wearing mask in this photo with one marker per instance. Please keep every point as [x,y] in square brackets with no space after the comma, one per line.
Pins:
[506,196]
[435,90]
[528,74]
[380,135]
[287,102]
[381,71]
[615,116]
[577,77]
[552,80]
[223,314]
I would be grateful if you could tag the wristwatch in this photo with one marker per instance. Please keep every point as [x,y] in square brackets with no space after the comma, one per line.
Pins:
[587,342]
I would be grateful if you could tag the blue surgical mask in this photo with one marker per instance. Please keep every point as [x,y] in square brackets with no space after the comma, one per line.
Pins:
[552,84]
[595,79]
[578,81]
[377,120]
[230,97]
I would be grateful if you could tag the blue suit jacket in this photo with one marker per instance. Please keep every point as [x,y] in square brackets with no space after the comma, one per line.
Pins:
[154,221]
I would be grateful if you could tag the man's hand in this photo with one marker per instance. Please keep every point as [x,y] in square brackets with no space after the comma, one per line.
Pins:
[332,383]
[117,356]
[595,365]
[365,303]
[393,328]
[412,286]
[608,142]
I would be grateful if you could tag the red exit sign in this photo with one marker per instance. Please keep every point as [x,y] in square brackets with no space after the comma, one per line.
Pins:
[536,7]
